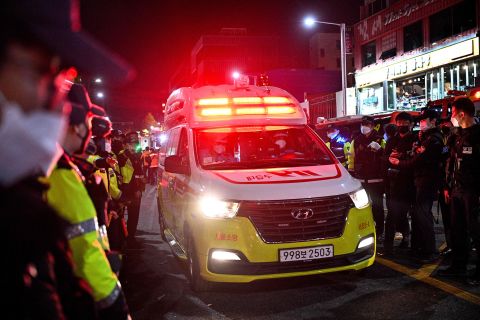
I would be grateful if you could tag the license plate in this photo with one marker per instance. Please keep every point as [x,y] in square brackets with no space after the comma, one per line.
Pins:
[302,254]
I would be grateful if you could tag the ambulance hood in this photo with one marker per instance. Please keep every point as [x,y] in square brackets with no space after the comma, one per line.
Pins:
[278,183]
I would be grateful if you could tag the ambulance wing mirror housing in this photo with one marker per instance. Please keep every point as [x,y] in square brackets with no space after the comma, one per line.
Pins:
[175,164]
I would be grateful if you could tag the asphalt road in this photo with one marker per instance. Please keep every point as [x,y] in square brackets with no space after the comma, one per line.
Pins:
[398,288]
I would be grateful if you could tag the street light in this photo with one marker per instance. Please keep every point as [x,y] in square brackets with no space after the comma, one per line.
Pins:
[309,22]
[100,95]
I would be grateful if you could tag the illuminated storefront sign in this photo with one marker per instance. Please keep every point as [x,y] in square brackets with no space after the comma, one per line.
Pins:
[443,56]
[406,11]
[396,16]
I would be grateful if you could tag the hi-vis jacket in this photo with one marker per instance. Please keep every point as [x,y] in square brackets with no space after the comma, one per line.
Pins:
[110,181]
[340,148]
[69,197]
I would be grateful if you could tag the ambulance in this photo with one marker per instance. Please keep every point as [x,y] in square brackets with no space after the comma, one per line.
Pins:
[248,191]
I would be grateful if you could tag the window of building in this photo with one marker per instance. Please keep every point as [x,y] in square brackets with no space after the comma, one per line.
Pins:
[338,62]
[413,36]
[388,54]
[463,16]
[454,20]
[369,53]
[338,45]
[440,25]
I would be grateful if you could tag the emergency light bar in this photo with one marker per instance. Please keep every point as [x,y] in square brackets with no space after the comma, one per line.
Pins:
[245,106]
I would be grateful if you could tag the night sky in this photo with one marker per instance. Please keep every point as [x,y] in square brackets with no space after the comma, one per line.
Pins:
[157,36]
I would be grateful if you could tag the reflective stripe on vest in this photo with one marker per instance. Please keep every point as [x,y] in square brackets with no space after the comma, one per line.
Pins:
[81,228]
[103,237]
[111,298]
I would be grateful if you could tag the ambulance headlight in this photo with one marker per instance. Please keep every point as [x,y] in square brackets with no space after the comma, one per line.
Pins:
[360,198]
[212,207]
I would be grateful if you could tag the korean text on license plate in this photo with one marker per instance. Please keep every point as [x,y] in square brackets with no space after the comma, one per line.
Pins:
[310,253]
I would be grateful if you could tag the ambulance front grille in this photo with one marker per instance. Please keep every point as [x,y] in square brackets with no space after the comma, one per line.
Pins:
[275,223]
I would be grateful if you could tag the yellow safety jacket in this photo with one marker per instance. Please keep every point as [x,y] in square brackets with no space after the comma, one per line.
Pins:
[110,181]
[127,170]
[351,154]
[69,197]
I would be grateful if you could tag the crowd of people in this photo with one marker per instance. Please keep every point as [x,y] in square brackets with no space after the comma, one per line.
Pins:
[413,170]
[68,180]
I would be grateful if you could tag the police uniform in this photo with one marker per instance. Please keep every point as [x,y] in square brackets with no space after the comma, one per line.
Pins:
[133,185]
[463,179]
[426,167]
[365,164]
[340,147]
[399,189]
[69,197]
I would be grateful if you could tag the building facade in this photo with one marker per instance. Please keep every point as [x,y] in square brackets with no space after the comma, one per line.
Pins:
[409,52]
[214,58]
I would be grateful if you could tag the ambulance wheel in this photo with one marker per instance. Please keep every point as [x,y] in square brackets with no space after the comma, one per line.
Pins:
[161,222]
[197,283]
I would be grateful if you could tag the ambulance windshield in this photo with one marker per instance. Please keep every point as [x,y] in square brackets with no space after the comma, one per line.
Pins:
[259,147]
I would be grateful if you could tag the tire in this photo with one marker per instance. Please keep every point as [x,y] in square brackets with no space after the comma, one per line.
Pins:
[161,222]
[197,283]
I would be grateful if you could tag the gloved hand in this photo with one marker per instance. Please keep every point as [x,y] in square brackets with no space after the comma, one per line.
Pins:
[374,145]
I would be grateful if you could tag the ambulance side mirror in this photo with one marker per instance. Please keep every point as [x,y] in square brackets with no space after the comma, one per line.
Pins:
[174,164]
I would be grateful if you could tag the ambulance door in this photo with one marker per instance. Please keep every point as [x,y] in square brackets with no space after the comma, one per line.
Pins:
[181,196]
[168,179]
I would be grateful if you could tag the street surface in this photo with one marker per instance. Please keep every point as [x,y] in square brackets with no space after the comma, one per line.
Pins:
[157,288]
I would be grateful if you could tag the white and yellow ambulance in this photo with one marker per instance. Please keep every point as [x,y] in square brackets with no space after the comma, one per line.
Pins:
[247,191]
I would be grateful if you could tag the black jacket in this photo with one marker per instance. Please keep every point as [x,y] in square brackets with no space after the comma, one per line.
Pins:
[38,274]
[400,179]
[368,162]
[426,165]
[463,165]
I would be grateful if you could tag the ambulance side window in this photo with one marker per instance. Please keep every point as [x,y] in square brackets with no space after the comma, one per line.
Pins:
[163,150]
[172,145]
[183,147]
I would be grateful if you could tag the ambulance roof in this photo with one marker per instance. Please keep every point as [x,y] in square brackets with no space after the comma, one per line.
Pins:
[227,105]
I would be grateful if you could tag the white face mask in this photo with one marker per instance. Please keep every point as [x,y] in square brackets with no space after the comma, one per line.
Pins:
[365,129]
[108,147]
[28,142]
[454,122]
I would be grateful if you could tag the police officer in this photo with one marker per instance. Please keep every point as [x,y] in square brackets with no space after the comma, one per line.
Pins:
[426,165]
[39,41]
[133,184]
[366,160]
[399,188]
[339,145]
[69,196]
[463,176]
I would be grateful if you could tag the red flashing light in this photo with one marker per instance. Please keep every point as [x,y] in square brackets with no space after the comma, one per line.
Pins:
[211,107]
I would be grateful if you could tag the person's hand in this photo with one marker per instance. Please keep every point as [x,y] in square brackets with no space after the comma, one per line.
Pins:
[374,145]
[114,214]
[111,161]
[394,161]
[420,149]
[446,195]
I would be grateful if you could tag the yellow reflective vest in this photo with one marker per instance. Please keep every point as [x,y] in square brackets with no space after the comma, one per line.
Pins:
[127,170]
[69,197]
[110,181]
